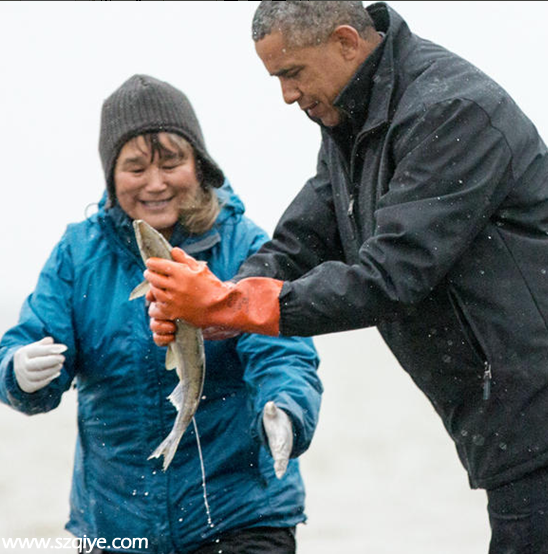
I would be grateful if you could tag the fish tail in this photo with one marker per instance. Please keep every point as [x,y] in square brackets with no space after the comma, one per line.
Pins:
[169,445]
[167,448]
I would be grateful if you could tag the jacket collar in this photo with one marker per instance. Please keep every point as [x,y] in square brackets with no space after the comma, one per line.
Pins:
[367,98]
[191,244]
[121,226]
[353,100]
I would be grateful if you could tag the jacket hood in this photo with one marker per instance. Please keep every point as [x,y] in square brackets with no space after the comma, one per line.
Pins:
[231,204]
[232,209]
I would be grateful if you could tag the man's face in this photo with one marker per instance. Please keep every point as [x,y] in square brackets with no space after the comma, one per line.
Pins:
[312,76]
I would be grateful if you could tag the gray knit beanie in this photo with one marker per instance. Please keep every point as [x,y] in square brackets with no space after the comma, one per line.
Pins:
[144,104]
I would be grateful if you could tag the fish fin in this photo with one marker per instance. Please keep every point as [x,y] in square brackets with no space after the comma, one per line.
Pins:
[171,357]
[140,290]
[177,397]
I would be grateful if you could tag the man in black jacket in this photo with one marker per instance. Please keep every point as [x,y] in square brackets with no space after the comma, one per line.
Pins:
[428,218]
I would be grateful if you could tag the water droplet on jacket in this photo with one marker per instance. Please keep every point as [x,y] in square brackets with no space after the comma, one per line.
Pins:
[478,440]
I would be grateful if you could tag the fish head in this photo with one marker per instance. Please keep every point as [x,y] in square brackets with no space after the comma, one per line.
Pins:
[152,244]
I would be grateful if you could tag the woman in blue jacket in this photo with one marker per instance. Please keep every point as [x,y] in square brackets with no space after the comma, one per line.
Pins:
[79,326]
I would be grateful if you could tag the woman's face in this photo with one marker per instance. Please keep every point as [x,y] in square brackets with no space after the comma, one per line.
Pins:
[153,185]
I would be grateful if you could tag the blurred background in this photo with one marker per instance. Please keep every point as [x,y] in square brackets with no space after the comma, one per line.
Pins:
[382,476]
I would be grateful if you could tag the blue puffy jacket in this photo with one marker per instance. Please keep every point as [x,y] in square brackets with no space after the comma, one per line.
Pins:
[81,300]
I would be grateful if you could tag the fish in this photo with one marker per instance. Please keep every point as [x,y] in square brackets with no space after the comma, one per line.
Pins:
[185,354]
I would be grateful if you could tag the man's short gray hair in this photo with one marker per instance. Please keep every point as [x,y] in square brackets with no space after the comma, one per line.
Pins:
[305,23]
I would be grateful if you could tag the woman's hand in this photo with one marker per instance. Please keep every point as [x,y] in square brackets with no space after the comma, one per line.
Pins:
[36,365]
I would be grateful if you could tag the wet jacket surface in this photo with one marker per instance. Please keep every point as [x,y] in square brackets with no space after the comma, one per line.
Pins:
[428,218]
[81,300]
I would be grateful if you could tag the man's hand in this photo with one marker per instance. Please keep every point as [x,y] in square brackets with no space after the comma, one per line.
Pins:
[36,365]
[183,288]
[279,432]
[186,289]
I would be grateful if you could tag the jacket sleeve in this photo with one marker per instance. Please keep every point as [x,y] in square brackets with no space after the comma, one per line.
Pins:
[284,370]
[306,235]
[46,312]
[452,169]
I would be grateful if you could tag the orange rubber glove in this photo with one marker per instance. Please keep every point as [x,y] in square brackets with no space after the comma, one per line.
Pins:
[186,289]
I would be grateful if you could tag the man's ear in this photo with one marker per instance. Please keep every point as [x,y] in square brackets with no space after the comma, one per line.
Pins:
[348,40]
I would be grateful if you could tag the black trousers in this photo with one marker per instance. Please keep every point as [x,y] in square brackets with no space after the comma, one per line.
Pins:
[518,514]
[255,540]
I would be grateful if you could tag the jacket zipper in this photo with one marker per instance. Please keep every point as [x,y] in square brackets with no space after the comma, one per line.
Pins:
[350,211]
[487,378]
[347,171]
[475,344]
[350,171]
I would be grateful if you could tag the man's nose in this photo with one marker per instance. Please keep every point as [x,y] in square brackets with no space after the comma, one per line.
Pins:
[290,92]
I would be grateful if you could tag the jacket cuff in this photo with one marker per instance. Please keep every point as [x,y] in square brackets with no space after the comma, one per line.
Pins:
[14,395]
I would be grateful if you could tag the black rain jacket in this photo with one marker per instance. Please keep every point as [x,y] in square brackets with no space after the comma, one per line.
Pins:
[428,218]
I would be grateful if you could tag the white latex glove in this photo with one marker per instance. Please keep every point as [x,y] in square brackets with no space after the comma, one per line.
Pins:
[37,364]
[279,432]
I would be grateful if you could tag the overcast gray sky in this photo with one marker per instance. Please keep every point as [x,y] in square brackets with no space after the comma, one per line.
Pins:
[61,59]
